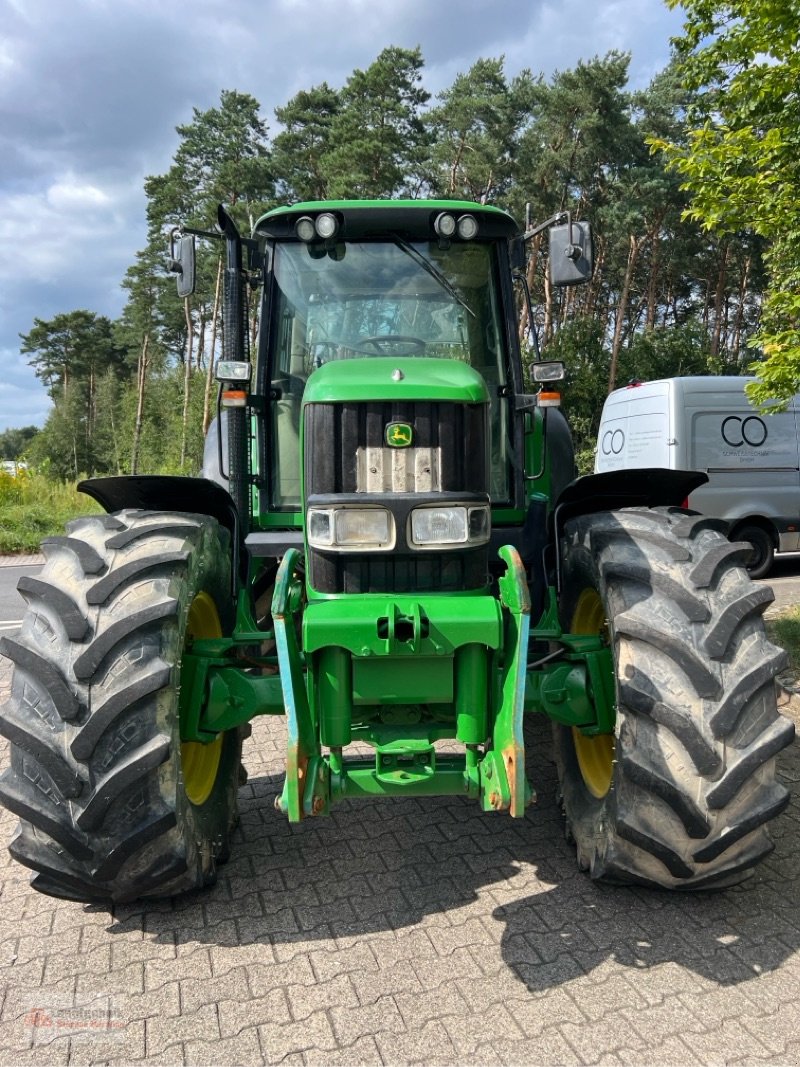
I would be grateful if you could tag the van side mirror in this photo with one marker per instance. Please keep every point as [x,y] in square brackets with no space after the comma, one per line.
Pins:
[181,256]
[571,254]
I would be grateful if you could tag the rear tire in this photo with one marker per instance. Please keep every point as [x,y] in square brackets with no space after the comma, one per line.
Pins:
[97,776]
[681,796]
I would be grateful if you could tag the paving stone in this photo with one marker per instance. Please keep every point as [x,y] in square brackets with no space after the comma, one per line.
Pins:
[411,932]
[669,1052]
[730,1035]
[429,1044]
[774,1032]
[236,1016]
[305,1000]
[352,1023]
[592,1040]
[279,1041]
[163,1031]
[245,1048]
[469,1032]
[363,1051]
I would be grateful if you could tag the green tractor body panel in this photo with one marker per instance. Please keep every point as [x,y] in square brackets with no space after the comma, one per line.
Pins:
[393,379]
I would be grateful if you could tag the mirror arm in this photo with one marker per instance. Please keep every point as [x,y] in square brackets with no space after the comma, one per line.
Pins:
[574,250]
[554,220]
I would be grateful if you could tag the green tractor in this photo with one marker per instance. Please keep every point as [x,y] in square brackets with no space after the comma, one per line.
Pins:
[391,549]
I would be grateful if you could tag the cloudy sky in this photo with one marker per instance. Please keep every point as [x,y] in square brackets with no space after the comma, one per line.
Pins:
[91,92]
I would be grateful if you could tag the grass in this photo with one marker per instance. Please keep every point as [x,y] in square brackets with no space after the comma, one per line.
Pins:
[784,630]
[33,507]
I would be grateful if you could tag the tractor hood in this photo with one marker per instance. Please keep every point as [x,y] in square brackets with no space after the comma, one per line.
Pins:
[381,378]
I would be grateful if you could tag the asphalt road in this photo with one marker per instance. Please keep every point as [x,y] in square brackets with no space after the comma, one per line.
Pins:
[12,606]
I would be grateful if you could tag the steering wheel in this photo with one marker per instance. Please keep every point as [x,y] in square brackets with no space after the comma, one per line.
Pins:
[386,342]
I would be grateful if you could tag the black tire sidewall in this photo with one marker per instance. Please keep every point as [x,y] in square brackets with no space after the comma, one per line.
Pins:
[762,543]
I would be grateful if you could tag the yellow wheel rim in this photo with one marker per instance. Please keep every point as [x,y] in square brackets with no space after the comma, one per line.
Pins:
[201,762]
[595,754]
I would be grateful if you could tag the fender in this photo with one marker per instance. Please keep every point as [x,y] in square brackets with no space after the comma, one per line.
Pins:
[645,487]
[156,492]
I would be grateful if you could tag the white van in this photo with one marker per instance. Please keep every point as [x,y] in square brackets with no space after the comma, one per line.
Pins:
[708,424]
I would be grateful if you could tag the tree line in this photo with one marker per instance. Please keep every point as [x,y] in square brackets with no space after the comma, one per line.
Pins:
[668,297]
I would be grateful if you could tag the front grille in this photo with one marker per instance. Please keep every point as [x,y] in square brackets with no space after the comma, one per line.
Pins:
[346,455]
[346,451]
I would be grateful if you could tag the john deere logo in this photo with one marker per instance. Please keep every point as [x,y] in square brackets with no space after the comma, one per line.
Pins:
[399,435]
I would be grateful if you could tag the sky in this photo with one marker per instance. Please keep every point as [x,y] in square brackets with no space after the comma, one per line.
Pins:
[91,92]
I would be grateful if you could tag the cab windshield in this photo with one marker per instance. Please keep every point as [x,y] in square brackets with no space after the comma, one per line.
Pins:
[380,298]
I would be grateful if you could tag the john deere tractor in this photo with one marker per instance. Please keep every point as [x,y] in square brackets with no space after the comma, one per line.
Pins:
[389,548]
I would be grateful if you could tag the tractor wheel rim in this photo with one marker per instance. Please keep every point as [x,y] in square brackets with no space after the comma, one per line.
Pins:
[200,762]
[595,755]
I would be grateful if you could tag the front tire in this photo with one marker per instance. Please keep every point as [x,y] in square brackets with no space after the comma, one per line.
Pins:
[680,796]
[112,806]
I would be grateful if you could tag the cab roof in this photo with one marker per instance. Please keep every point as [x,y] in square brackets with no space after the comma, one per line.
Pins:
[373,218]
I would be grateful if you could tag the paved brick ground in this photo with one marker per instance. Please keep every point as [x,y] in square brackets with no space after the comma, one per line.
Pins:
[406,933]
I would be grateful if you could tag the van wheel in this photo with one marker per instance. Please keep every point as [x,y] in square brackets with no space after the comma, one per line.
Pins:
[679,795]
[762,550]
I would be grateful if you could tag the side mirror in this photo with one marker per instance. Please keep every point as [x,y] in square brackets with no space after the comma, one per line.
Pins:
[571,257]
[181,253]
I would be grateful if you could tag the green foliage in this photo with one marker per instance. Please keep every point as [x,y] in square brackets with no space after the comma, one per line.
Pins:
[72,346]
[377,137]
[13,442]
[785,632]
[33,506]
[741,159]
[298,151]
[474,131]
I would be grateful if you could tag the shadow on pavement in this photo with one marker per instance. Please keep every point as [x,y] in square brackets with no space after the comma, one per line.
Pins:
[398,864]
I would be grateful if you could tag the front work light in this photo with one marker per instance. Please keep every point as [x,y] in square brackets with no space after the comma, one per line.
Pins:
[467,227]
[551,371]
[444,224]
[357,529]
[305,229]
[232,370]
[433,527]
[327,225]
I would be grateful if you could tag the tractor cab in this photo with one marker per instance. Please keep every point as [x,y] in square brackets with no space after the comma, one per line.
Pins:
[378,282]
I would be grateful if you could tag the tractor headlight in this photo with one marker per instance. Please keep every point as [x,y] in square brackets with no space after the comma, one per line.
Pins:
[361,529]
[432,527]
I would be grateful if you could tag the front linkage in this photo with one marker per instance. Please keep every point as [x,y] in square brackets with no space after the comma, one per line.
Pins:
[466,656]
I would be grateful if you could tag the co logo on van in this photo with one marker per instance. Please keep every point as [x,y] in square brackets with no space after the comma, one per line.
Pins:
[750,431]
[613,442]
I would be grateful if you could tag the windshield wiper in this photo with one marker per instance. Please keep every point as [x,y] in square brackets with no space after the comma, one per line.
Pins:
[431,269]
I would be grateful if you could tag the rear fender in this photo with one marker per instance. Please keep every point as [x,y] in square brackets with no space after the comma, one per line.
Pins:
[151,492]
[645,487]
